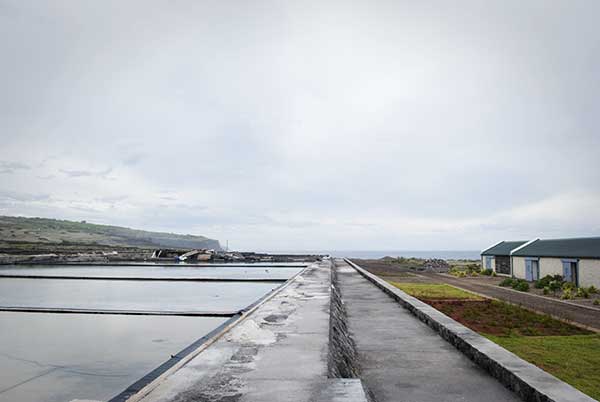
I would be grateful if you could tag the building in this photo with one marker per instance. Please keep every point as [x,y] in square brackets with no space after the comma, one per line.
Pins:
[497,257]
[577,260]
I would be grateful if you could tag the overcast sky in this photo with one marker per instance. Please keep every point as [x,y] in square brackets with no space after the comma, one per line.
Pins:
[305,125]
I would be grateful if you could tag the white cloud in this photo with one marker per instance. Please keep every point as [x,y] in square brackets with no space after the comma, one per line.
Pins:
[327,125]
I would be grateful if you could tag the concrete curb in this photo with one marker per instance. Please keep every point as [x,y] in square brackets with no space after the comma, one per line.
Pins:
[526,380]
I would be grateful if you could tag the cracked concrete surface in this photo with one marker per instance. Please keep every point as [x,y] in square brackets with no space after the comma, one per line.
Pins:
[279,352]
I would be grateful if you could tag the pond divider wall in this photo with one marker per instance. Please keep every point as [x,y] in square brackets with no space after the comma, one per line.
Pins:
[343,358]
[531,383]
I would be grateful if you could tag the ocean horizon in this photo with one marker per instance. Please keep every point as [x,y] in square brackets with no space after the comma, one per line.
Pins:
[373,254]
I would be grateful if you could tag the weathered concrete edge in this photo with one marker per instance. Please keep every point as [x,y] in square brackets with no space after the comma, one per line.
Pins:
[526,380]
[142,387]
[342,361]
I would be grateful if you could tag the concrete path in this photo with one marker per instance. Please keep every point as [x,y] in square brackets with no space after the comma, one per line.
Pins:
[401,358]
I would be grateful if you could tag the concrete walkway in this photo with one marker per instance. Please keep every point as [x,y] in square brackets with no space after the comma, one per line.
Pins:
[401,358]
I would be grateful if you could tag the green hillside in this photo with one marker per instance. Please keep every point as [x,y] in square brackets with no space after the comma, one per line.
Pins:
[47,232]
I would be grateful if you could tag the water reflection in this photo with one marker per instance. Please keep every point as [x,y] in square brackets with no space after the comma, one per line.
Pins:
[130,295]
[258,272]
[57,358]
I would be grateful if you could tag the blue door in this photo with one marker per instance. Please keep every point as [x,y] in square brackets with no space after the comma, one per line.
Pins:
[570,273]
[567,273]
[535,270]
[528,270]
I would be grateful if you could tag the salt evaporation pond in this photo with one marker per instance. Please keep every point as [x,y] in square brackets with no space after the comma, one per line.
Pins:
[57,357]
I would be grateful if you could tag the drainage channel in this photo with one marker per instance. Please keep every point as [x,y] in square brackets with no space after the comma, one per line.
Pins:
[127,278]
[118,312]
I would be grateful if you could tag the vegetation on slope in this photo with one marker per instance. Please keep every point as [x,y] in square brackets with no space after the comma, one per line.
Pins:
[19,230]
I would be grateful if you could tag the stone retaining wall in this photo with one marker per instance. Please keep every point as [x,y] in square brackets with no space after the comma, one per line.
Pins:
[342,359]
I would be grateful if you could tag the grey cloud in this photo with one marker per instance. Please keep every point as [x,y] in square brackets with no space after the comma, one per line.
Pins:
[112,199]
[86,173]
[10,167]
[133,159]
[22,197]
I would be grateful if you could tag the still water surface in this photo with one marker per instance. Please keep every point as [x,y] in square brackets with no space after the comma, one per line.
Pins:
[61,357]
[258,272]
[130,295]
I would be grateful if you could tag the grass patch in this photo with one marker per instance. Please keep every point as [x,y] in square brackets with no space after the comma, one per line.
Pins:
[498,318]
[434,291]
[573,359]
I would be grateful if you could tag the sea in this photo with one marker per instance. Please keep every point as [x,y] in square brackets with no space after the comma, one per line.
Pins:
[374,254]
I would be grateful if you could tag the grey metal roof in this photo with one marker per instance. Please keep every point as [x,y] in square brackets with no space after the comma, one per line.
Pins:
[503,248]
[585,247]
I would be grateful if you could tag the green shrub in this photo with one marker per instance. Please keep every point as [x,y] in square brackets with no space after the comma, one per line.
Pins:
[596,302]
[568,285]
[582,292]
[555,285]
[494,273]
[546,290]
[521,285]
[508,282]
[592,289]
[567,294]
[545,281]
[487,272]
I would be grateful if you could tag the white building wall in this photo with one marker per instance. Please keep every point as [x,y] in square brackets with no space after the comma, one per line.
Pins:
[518,267]
[589,272]
[550,266]
[589,269]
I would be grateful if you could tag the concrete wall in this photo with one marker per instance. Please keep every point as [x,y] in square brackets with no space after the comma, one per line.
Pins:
[589,273]
[589,270]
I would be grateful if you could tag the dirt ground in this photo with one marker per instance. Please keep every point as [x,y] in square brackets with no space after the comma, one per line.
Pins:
[496,318]
[488,286]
